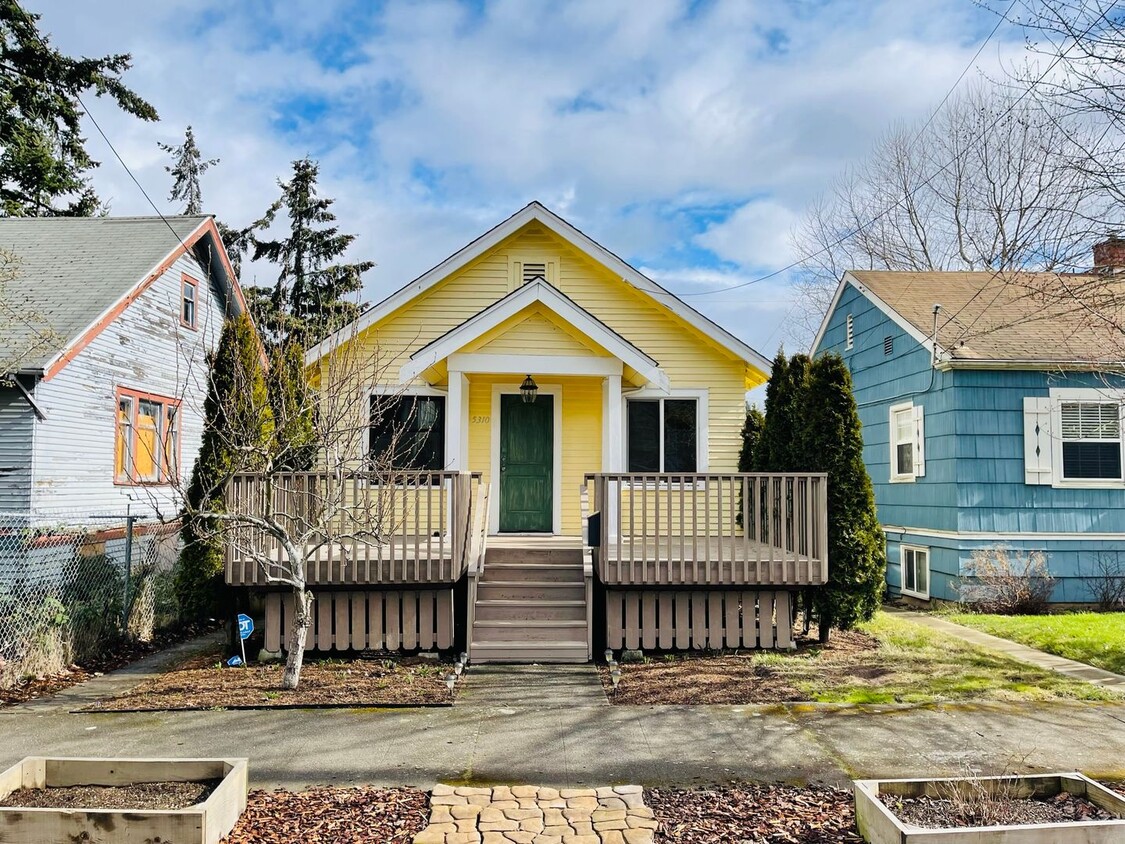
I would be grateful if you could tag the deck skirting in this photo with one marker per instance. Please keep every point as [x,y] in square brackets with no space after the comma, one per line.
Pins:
[391,619]
[698,618]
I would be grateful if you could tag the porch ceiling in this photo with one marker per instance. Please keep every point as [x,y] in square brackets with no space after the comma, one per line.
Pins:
[538,329]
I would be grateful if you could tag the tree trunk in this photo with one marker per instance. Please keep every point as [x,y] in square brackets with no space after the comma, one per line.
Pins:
[825,627]
[303,607]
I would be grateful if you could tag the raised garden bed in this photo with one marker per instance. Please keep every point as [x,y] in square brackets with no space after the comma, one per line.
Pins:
[121,801]
[204,682]
[1032,809]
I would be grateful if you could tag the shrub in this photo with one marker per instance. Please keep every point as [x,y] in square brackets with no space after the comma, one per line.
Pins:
[1107,583]
[1000,580]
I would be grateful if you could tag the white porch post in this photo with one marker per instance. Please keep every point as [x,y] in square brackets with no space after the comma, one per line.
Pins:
[612,450]
[457,422]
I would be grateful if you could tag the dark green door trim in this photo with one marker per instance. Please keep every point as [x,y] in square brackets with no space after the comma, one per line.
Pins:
[527,460]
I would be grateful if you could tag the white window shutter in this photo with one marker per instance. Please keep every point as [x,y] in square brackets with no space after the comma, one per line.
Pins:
[1037,440]
[919,442]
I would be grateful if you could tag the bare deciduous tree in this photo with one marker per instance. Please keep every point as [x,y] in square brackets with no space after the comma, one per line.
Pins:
[25,329]
[985,186]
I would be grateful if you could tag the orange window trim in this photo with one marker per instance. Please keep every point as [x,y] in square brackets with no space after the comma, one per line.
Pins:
[168,474]
[186,282]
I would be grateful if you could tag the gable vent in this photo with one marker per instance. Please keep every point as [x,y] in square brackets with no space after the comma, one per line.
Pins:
[888,345]
[531,272]
[851,333]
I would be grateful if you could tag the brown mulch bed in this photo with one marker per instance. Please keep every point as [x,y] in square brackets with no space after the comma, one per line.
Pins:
[935,813]
[364,815]
[203,682]
[755,814]
[123,653]
[727,678]
[138,796]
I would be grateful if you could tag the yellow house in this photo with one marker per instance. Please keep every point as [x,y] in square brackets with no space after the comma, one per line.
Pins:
[579,428]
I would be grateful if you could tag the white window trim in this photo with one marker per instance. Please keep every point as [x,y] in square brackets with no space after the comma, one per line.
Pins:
[1066,395]
[391,390]
[898,477]
[702,422]
[556,391]
[913,593]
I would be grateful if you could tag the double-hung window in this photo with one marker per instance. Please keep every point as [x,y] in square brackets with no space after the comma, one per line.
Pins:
[915,570]
[907,443]
[147,439]
[663,435]
[407,433]
[189,302]
[1091,440]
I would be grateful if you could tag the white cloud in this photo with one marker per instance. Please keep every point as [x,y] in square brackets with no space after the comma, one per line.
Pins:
[756,235]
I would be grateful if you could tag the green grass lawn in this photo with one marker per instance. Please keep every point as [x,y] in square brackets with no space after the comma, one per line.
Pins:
[913,664]
[1094,638]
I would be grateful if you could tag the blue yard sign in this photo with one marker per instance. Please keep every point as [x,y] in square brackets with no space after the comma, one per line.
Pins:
[245,625]
[234,661]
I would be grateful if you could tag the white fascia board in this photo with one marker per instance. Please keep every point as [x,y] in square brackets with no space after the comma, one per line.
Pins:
[902,322]
[581,242]
[516,301]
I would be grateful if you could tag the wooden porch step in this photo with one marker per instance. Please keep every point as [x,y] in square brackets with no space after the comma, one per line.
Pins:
[525,652]
[523,590]
[529,631]
[553,556]
[531,610]
[537,572]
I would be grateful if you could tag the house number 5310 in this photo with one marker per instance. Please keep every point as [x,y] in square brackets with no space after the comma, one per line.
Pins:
[481,420]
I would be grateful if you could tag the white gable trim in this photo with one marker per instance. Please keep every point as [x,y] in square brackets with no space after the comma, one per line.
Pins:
[537,291]
[924,340]
[538,213]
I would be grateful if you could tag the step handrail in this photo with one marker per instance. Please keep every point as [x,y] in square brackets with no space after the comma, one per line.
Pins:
[478,547]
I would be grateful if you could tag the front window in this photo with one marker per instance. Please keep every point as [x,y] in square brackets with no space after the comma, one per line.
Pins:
[1091,440]
[147,436]
[902,442]
[408,432]
[663,435]
[915,571]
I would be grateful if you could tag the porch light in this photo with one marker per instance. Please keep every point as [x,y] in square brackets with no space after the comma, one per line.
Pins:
[529,390]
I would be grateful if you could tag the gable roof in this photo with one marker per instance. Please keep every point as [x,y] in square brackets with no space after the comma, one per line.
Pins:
[1029,318]
[72,275]
[512,304]
[535,211]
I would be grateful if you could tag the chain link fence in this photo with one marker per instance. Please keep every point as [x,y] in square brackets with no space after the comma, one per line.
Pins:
[74,585]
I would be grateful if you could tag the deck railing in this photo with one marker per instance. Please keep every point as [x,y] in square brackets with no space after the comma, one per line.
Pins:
[709,529]
[359,528]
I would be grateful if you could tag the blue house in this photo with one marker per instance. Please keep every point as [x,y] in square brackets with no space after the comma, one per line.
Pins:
[992,409]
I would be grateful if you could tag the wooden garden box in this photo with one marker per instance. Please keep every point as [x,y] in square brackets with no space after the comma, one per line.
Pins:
[879,825]
[203,823]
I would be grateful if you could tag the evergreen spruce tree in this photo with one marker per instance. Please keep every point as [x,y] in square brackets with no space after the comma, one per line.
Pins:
[291,401]
[752,430]
[312,296]
[857,561]
[238,432]
[44,164]
[187,169]
[779,449]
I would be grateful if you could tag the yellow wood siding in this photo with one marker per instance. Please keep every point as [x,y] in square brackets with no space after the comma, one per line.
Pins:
[690,359]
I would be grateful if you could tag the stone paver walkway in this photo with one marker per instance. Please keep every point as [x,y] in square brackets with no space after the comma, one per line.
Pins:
[529,814]
[1050,662]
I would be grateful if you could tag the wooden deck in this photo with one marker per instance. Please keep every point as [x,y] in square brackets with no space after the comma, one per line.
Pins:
[679,560]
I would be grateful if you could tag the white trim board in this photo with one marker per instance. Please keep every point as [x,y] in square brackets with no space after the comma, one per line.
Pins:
[518,300]
[556,391]
[536,212]
[535,365]
[998,536]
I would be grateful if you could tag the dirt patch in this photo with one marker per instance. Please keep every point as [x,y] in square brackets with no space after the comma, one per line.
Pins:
[333,816]
[203,682]
[935,813]
[138,796]
[763,814]
[739,677]
[122,654]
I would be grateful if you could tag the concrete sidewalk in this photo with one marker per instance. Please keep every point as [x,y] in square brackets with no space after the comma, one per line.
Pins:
[1071,668]
[594,743]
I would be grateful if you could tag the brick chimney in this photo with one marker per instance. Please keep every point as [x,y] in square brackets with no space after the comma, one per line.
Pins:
[1109,255]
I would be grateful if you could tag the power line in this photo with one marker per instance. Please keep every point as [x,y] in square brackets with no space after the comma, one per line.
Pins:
[898,203]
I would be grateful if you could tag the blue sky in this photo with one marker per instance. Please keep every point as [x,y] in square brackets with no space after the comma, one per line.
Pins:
[687,136]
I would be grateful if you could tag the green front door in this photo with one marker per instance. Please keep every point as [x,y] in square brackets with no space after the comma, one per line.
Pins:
[527,436]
